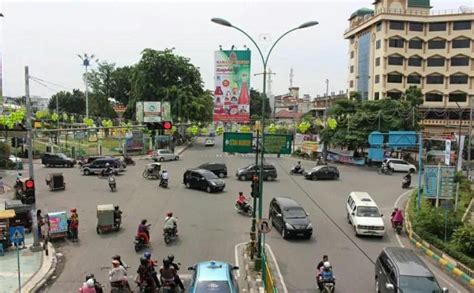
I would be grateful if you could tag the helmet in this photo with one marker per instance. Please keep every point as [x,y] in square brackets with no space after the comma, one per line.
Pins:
[116,257]
[395,209]
[90,276]
[90,283]
[171,258]
[147,255]
[143,261]
[107,165]
[164,171]
[169,214]
[299,162]
[143,221]
[240,193]
[73,210]
[166,262]
[116,208]
[326,265]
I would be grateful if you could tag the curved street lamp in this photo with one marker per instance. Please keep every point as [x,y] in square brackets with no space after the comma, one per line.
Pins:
[224,22]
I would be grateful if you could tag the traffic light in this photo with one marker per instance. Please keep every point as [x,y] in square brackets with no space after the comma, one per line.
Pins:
[255,187]
[55,139]
[167,125]
[30,197]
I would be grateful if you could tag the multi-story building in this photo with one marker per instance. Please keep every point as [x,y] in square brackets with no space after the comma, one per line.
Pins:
[401,43]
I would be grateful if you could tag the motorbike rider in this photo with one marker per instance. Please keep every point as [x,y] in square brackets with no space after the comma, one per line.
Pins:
[397,217]
[117,215]
[297,168]
[171,223]
[107,171]
[151,268]
[144,273]
[97,285]
[325,275]
[118,276]
[143,231]
[407,178]
[168,274]
[164,177]
[176,267]
[321,263]
[119,259]
[242,201]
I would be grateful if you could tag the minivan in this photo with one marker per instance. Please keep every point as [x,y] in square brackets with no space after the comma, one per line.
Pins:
[364,215]
[246,173]
[220,169]
[99,164]
[202,179]
[287,216]
[399,269]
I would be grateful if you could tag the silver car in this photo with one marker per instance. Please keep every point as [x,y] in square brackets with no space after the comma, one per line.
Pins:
[164,155]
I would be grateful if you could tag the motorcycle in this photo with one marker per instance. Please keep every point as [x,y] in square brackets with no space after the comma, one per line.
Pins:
[112,183]
[163,183]
[398,227]
[128,160]
[97,286]
[139,243]
[406,182]
[168,286]
[144,287]
[169,235]
[384,169]
[328,287]
[294,171]
[246,211]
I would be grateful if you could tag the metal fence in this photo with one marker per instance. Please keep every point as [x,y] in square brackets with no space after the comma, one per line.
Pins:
[269,281]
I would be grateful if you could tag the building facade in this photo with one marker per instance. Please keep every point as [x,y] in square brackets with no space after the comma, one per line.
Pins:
[401,43]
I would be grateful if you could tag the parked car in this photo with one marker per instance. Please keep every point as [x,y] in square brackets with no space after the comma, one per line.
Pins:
[399,269]
[209,142]
[98,165]
[220,169]
[14,159]
[364,215]
[58,159]
[398,165]
[203,179]
[288,217]
[246,173]
[164,155]
[213,276]
[322,172]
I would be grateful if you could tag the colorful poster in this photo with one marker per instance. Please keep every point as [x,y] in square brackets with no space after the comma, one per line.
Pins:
[232,86]
[166,111]
[139,112]
[151,112]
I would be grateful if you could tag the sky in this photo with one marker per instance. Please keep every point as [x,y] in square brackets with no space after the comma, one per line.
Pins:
[48,36]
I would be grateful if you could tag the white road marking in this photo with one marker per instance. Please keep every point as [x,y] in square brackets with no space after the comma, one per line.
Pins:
[282,281]
[236,255]
[440,275]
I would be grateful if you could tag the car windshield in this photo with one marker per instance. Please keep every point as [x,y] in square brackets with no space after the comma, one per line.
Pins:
[213,286]
[62,156]
[249,167]
[368,212]
[318,168]
[411,284]
[209,175]
[294,213]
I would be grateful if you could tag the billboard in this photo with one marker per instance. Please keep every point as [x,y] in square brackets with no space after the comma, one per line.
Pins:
[139,112]
[232,86]
[151,112]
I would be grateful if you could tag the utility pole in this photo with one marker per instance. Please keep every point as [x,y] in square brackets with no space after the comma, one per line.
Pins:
[36,246]
[86,59]
[471,100]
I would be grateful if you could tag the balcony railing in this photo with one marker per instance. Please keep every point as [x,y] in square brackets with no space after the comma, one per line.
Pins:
[444,122]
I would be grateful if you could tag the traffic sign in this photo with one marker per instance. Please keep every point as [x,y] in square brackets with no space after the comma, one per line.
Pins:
[264,226]
[17,235]
[278,143]
[235,142]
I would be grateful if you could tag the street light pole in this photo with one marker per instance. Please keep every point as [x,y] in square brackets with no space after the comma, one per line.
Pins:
[262,151]
[86,59]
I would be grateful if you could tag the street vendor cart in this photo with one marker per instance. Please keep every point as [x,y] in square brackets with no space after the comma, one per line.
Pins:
[152,171]
[108,218]
[23,214]
[55,181]
[5,217]
[58,227]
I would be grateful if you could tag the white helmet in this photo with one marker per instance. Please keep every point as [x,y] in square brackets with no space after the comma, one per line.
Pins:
[90,283]
[107,165]
[326,265]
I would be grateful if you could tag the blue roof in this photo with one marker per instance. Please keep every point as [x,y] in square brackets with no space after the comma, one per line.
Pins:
[212,271]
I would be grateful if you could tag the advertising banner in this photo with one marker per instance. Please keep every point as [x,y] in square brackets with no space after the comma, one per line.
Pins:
[166,111]
[139,112]
[232,86]
[134,141]
[151,112]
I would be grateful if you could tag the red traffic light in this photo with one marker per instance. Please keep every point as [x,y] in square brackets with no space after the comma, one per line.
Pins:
[167,125]
[30,184]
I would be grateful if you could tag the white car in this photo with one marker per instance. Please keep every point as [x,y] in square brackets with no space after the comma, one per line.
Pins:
[364,215]
[164,155]
[398,165]
[209,142]
[14,159]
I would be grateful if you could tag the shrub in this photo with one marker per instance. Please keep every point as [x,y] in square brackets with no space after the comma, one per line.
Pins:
[297,153]
[463,238]
[314,155]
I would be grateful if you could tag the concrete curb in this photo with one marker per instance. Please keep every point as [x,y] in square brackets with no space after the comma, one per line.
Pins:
[441,261]
[47,270]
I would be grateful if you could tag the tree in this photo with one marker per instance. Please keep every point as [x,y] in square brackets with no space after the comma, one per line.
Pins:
[69,102]
[121,84]
[256,105]
[102,84]
[164,76]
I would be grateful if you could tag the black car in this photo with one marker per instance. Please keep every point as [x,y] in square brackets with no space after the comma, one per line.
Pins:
[246,173]
[203,179]
[58,159]
[288,217]
[98,165]
[220,169]
[322,172]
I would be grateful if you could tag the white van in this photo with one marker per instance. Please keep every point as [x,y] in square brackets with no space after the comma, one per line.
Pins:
[364,215]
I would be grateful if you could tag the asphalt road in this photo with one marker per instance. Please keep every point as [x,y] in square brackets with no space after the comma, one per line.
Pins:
[209,227]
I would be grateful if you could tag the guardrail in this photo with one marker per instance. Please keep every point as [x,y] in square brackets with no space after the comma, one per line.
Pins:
[442,259]
[268,276]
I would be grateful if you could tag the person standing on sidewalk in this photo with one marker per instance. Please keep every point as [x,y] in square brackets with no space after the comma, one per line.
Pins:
[74,225]
[45,233]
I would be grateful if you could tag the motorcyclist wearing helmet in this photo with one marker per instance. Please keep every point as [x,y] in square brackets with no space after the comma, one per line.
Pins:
[143,231]
[97,285]
[117,215]
[118,276]
[396,217]
[168,274]
[151,267]
[325,275]
[298,167]
[242,201]
[145,274]
[176,268]
[119,259]
[164,177]
[107,171]
[88,287]
[171,223]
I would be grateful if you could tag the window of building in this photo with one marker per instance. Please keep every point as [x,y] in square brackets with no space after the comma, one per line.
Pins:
[394,95]
[395,60]
[414,79]
[351,83]
[378,44]
[377,96]
[396,43]
[435,61]
[352,68]
[397,25]
[436,44]
[377,78]
[437,26]
[461,43]
[352,54]
[433,97]
[458,97]
[394,78]
[416,26]
[377,61]
[415,61]
[460,61]
[379,26]
[435,79]
[462,25]
[458,79]
[415,44]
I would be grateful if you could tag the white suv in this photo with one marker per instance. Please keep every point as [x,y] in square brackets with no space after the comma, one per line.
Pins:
[164,155]
[364,215]
[398,165]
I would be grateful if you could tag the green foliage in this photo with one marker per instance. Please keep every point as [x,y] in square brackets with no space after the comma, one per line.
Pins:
[431,220]
[192,130]
[69,102]
[256,99]
[463,238]
[4,154]
[54,117]
[44,114]
[65,117]
[303,127]
[272,128]
[107,123]
[13,118]
[219,130]
[88,122]
[102,84]
[245,128]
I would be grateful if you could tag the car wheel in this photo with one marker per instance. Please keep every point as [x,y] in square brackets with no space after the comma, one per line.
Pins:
[188,185]
[314,177]
[162,159]
[308,236]
[412,170]
[348,219]
[221,175]
[176,158]
[208,189]
[269,178]
[335,177]
[355,232]
[284,234]
[242,178]
[155,159]
[87,172]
